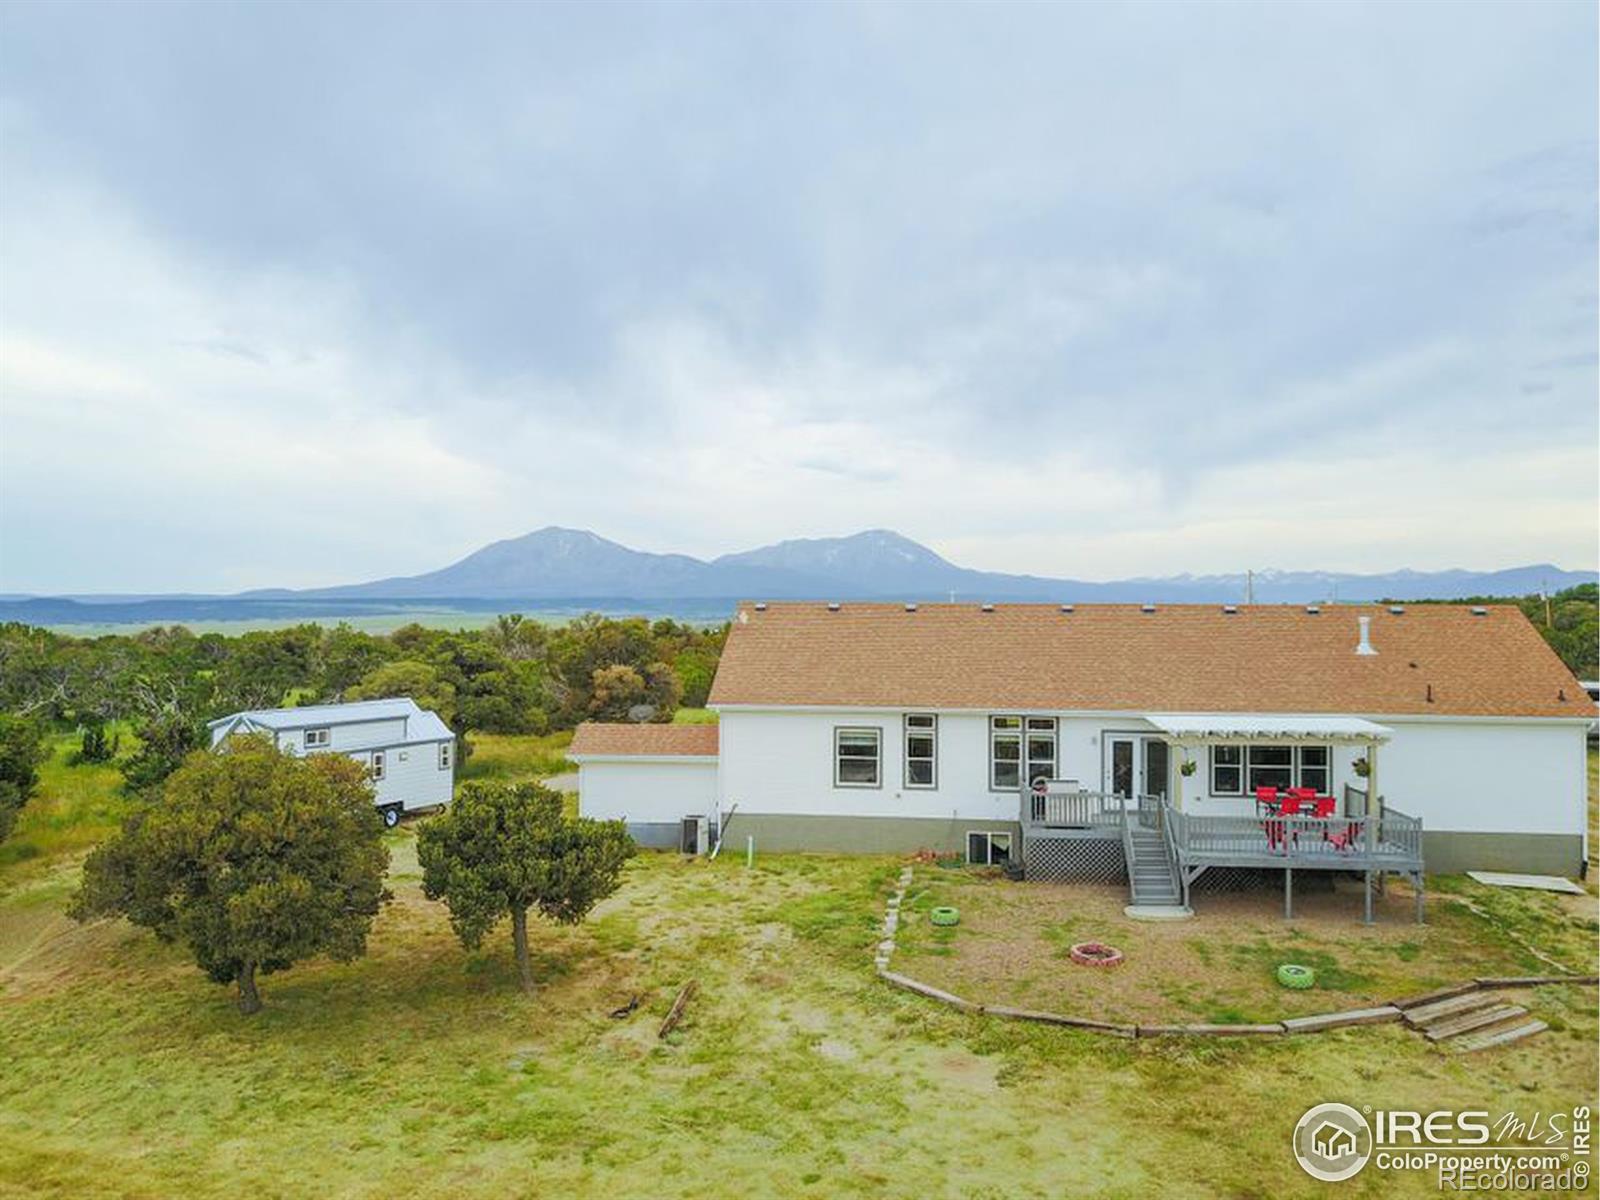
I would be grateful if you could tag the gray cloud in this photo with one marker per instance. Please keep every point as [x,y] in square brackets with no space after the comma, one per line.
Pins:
[764,258]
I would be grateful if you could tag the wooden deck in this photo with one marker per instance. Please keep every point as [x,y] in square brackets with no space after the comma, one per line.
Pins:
[1390,843]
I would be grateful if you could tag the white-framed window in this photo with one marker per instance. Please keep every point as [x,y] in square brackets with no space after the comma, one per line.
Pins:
[377,764]
[317,739]
[985,848]
[1240,770]
[1227,770]
[1020,748]
[857,757]
[1314,768]
[444,756]
[922,750]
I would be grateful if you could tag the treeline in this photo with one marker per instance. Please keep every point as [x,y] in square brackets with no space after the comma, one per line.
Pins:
[515,676]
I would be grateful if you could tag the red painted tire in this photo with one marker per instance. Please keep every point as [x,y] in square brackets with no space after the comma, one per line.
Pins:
[1095,954]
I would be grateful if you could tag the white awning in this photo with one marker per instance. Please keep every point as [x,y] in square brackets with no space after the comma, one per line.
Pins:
[1269,727]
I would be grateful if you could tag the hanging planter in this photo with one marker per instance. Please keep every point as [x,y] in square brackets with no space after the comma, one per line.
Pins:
[1361,766]
[1188,767]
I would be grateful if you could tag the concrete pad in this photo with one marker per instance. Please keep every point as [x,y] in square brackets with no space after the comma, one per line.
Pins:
[1157,912]
[1543,883]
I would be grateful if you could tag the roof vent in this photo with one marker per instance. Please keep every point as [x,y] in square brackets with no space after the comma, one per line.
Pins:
[1066,608]
[1313,609]
[1231,609]
[1397,609]
[1147,608]
[911,608]
[761,606]
[1365,645]
[988,608]
[1479,611]
[833,606]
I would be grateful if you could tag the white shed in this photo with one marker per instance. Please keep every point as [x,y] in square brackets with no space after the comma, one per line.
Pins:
[658,779]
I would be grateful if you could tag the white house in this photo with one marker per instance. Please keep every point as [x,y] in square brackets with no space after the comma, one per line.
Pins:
[409,751]
[885,728]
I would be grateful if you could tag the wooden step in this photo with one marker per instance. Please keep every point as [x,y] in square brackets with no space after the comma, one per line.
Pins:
[1427,1014]
[1467,1022]
[1497,1037]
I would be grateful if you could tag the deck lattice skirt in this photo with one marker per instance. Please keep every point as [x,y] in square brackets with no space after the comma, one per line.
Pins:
[1095,860]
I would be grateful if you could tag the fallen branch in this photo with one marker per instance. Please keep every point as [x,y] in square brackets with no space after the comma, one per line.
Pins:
[675,1013]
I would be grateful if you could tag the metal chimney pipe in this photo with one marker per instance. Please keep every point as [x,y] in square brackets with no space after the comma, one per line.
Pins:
[1365,645]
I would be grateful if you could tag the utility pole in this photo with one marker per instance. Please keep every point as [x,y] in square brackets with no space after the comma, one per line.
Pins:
[1249,587]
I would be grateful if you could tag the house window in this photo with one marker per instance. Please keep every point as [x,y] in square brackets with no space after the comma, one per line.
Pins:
[1269,766]
[377,764]
[1020,749]
[1312,762]
[988,848]
[444,756]
[316,739]
[1227,770]
[856,757]
[922,750]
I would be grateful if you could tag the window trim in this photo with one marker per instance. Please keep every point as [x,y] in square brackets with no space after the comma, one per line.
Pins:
[877,741]
[909,731]
[321,743]
[1236,766]
[380,765]
[988,836]
[1296,765]
[1023,730]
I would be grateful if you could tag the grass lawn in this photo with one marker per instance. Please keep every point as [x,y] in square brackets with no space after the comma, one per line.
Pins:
[420,1070]
[511,758]
[694,716]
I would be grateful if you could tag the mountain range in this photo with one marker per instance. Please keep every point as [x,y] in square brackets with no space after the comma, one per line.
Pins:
[574,565]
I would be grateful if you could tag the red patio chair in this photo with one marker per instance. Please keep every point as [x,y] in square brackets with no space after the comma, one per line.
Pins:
[1266,798]
[1348,838]
[1322,807]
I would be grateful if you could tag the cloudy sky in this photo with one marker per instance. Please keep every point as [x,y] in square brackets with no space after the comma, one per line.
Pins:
[305,294]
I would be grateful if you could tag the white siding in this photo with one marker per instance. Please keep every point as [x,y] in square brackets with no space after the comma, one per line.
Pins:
[648,791]
[1523,776]
[1493,777]
[412,776]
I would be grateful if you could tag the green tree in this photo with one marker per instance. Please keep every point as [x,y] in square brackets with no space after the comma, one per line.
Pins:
[165,741]
[419,680]
[501,850]
[253,859]
[21,752]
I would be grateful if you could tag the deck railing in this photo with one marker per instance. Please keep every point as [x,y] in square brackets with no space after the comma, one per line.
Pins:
[1071,809]
[1298,838]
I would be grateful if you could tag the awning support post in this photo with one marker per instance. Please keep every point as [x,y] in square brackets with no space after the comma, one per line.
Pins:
[1288,893]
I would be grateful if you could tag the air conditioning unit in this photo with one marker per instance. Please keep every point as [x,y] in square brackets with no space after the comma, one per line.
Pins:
[695,838]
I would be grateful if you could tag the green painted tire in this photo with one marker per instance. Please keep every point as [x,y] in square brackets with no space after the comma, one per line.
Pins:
[1292,975]
[945,915]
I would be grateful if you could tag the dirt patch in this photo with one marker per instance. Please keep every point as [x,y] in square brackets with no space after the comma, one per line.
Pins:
[1013,943]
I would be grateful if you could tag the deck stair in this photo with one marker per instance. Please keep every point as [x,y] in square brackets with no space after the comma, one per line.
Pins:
[1152,881]
[1475,1021]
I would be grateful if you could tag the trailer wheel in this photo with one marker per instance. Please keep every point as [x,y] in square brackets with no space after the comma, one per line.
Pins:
[391,817]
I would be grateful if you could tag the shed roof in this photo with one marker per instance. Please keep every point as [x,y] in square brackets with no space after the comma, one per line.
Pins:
[421,724]
[1437,660]
[595,739]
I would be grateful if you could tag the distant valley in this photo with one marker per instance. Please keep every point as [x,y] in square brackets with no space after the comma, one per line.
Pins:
[556,571]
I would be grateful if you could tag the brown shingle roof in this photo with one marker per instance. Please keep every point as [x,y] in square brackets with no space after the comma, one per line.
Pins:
[1194,658]
[593,737]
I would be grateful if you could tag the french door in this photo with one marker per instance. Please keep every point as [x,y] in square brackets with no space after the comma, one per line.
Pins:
[1136,765]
